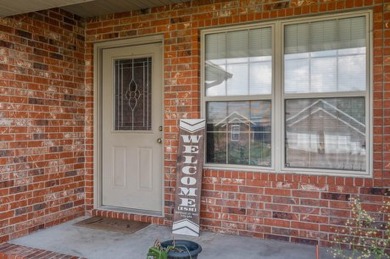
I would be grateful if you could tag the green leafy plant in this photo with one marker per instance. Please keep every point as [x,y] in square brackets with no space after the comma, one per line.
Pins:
[157,251]
[363,235]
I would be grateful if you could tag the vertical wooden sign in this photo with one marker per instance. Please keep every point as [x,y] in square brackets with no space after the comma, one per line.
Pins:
[189,177]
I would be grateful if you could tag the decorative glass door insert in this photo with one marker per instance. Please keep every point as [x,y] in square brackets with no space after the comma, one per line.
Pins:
[133,94]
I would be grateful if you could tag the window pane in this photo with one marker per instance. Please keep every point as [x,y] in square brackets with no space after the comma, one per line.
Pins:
[325,35]
[215,80]
[296,74]
[325,56]
[216,46]
[239,133]
[323,74]
[237,44]
[325,71]
[239,63]
[261,80]
[352,72]
[326,133]
[238,84]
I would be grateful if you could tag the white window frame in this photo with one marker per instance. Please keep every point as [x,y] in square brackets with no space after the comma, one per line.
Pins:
[278,96]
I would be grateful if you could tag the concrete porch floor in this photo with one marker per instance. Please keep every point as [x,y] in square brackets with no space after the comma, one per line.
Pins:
[97,244]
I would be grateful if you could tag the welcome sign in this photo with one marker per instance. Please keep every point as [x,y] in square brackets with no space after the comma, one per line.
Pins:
[189,177]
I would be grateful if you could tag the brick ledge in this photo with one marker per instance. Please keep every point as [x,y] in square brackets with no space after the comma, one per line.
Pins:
[11,251]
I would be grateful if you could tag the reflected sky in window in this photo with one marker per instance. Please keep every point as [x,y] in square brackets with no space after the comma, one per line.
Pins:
[325,71]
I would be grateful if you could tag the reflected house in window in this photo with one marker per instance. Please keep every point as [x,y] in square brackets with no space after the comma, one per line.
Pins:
[323,135]
[237,126]
[242,140]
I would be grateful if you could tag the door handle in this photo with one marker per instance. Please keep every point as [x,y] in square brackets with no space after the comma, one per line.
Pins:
[159,140]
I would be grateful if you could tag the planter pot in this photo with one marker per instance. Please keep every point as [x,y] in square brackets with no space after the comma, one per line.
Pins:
[184,249]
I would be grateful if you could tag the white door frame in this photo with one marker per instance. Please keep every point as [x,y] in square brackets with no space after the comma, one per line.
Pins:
[97,114]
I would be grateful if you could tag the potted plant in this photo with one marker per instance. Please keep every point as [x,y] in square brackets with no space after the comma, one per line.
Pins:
[174,249]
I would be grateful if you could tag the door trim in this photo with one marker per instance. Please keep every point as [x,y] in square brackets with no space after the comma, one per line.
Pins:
[97,116]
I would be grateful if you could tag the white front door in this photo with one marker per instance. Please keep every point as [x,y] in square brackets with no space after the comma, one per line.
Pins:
[131,128]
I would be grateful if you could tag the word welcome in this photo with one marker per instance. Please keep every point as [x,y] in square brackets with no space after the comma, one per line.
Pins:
[187,192]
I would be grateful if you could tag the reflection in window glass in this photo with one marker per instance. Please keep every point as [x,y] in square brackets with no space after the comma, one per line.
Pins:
[237,84]
[323,75]
[239,63]
[352,72]
[296,75]
[326,134]
[320,97]
[239,133]
[261,80]
[325,71]
[329,56]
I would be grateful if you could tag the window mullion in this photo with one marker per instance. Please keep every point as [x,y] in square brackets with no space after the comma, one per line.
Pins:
[324,95]
[277,101]
[369,95]
[237,98]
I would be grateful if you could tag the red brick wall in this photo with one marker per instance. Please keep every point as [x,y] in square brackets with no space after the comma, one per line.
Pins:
[42,109]
[298,208]
[46,122]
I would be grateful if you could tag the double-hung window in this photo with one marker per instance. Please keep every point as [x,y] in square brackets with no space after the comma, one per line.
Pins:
[289,95]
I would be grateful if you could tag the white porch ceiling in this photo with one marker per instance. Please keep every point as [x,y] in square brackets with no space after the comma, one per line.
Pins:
[83,8]
[13,7]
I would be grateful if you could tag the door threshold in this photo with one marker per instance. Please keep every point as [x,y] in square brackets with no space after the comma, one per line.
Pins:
[132,211]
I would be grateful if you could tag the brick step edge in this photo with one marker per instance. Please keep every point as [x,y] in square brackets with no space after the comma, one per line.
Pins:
[11,251]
